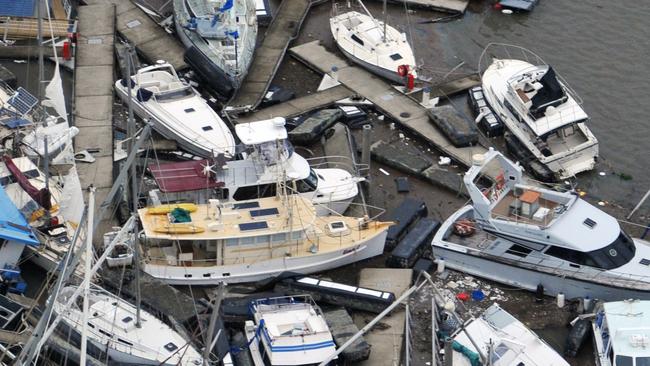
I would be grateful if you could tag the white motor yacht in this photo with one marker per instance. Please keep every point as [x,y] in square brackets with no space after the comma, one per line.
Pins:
[544,117]
[503,341]
[112,329]
[288,330]
[621,332]
[525,236]
[373,44]
[177,111]
[269,156]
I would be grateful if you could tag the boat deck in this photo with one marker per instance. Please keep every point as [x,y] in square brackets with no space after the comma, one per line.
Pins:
[503,210]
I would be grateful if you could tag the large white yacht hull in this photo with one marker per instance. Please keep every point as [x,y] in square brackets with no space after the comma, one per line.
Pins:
[529,279]
[251,272]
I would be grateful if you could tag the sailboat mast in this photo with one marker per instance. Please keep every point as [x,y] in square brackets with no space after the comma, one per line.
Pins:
[134,186]
[88,261]
[385,19]
[41,65]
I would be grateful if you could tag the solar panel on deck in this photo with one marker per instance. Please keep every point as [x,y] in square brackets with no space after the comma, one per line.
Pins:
[17,8]
[244,205]
[253,226]
[23,101]
[265,212]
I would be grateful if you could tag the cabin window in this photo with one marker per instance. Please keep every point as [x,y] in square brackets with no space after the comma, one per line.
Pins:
[109,335]
[247,240]
[624,361]
[171,347]
[262,239]
[357,39]
[297,235]
[616,254]
[125,342]
[308,184]
[253,192]
[498,352]
[518,250]
[30,174]
[278,238]
[643,361]
[230,242]
[396,56]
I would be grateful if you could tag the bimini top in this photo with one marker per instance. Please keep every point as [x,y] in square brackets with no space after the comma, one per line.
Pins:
[183,176]
[255,133]
[629,326]
[13,225]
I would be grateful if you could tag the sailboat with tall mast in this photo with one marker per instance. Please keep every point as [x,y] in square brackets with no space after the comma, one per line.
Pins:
[219,37]
[373,44]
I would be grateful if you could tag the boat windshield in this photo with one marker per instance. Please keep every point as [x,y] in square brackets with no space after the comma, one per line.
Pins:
[176,94]
[643,361]
[308,184]
[614,255]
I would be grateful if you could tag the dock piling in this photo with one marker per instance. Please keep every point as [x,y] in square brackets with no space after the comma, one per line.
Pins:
[365,148]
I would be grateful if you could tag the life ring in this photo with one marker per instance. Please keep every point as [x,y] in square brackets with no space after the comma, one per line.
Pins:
[403,70]
[464,227]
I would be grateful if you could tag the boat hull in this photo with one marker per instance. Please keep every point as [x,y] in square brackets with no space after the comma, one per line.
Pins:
[163,128]
[377,70]
[529,279]
[305,264]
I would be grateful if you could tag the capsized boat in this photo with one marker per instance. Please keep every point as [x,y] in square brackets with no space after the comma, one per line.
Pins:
[112,329]
[288,330]
[270,155]
[177,111]
[524,235]
[543,115]
[503,341]
[373,44]
[621,331]
[253,240]
[219,37]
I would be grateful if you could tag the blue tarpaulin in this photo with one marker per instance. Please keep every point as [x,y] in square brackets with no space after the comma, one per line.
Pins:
[13,225]
[17,8]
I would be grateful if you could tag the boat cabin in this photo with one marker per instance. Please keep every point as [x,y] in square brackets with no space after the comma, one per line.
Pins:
[622,333]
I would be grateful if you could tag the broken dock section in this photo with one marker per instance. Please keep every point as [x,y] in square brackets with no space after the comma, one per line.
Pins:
[93,99]
[447,6]
[150,40]
[399,107]
[283,29]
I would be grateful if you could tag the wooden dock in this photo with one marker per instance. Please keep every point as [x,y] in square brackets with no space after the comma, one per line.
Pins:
[401,108]
[283,29]
[386,342]
[149,39]
[22,28]
[300,105]
[93,99]
[447,6]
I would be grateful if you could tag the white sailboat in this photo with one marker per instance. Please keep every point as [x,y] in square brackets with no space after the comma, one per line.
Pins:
[112,329]
[373,44]
[502,340]
[177,111]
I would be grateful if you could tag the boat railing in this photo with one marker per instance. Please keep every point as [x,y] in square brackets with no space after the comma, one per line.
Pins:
[560,268]
[339,161]
[495,50]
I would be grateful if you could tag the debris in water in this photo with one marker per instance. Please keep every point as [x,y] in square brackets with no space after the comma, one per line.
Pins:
[602,174]
[383,171]
[444,160]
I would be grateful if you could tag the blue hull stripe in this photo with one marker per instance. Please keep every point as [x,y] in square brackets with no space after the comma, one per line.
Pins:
[302,347]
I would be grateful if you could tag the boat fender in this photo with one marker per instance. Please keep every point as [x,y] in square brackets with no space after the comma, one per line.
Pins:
[402,70]
[576,337]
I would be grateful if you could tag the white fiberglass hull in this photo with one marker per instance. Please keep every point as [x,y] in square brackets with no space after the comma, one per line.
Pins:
[529,279]
[252,272]
[173,130]
[361,38]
